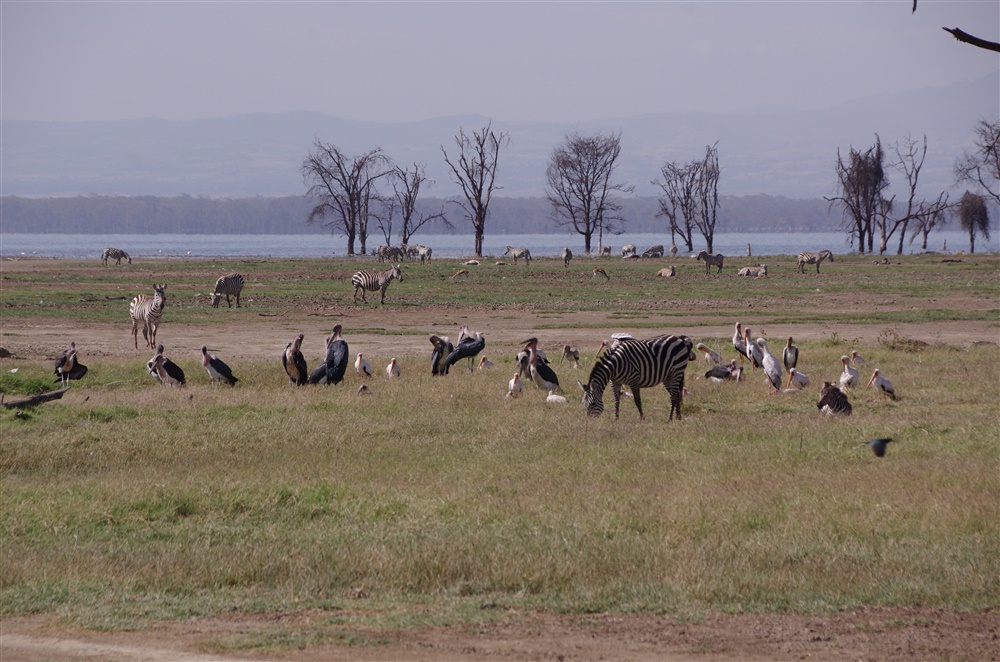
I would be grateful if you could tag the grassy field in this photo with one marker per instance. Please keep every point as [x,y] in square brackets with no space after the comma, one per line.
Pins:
[434,501]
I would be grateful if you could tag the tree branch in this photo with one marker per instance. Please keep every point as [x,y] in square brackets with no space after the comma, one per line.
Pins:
[967,38]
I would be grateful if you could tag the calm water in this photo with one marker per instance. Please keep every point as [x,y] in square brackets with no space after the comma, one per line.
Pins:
[84,246]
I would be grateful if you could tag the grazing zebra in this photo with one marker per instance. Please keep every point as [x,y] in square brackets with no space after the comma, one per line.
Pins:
[753,272]
[424,252]
[813,258]
[628,250]
[711,261]
[566,256]
[115,254]
[374,281]
[147,309]
[653,251]
[639,364]
[518,252]
[833,401]
[230,285]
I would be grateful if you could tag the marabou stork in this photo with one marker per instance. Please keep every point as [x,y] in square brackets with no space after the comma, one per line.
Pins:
[485,363]
[797,379]
[68,367]
[739,344]
[571,353]
[172,369]
[720,373]
[711,356]
[769,362]
[163,375]
[469,345]
[217,369]
[541,374]
[515,387]
[850,376]
[790,355]
[392,370]
[442,349]
[878,445]
[294,363]
[361,366]
[332,370]
[753,351]
[884,386]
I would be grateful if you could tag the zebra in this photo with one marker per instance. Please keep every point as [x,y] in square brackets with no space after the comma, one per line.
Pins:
[639,364]
[147,309]
[566,256]
[753,272]
[424,252]
[653,251]
[711,261]
[228,285]
[518,252]
[628,250]
[833,400]
[115,254]
[813,258]
[374,281]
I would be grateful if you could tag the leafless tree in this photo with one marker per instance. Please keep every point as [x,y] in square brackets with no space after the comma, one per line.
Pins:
[965,37]
[579,186]
[475,172]
[708,195]
[862,181]
[344,188]
[679,203]
[974,217]
[932,214]
[406,183]
[983,165]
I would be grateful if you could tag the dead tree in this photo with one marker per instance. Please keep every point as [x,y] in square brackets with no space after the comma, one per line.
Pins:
[679,203]
[707,189]
[974,217]
[862,181]
[982,166]
[406,185]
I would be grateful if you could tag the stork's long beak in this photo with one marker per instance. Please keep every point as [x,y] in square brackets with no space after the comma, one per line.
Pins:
[872,380]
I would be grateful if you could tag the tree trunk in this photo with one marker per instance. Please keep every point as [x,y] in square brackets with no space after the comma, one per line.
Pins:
[972,240]
[480,226]
[350,244]
[586,242]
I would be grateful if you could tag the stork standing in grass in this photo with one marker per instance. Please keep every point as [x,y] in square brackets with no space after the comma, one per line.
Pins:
[164,377]
[541,374]
[753,351]
[711,356]
[856,358]
[883,385]
[332,370]
[850,377]
[294,362]
[772,367]
[169,367]
[515,388]
[739,343]
[392,370]
[469,346]
[217,369]
[68,367]
[361,366]
[442,349]
[790,355]
[571,353]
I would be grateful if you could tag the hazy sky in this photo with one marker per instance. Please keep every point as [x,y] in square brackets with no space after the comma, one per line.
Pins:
[399,61]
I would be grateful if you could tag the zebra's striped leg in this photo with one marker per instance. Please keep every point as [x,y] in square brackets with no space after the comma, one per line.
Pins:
[638,402]
[616,389]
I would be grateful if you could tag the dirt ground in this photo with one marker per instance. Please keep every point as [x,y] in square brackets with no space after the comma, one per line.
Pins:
[880,634]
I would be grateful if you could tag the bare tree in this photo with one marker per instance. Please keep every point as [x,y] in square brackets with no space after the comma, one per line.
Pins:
[965,37]
[707,188]
[983,165]
[406,185]
[861,180]
[931,215]
[679,204]
[579,185]
[974,217]
[475,172]
[344,188]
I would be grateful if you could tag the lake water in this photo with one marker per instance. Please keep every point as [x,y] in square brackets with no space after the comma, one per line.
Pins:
[86,246]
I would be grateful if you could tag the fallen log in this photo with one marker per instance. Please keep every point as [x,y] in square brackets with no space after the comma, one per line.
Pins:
[35,400]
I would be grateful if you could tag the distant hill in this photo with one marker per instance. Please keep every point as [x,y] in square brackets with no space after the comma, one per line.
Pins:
[789,154]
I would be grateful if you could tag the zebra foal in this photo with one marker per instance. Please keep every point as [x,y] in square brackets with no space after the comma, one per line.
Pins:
[519,252]
[813,258]
[230,285]
[147,310]
[639,364]
[374,281]
[711,261]
[115,254]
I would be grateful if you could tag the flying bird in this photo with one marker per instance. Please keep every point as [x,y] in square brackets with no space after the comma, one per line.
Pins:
[878,445]
[884,386]
[294,362]
[217,369]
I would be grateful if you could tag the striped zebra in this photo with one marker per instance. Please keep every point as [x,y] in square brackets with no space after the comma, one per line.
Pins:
[374,281]
[115,254]
[639,364]
[147,310]
[628,250]
[566,256]
[230,285]
[813,258]
[833,400]
[711,261]
[518,252]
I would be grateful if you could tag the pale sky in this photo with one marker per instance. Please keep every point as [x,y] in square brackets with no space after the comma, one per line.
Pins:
[513,61]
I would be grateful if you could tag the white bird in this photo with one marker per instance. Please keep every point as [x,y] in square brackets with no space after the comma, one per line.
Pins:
[850,376]
[797,379]
[856,358]
[392,370]
[515,387]
[790,355]
[711,356]
[771,365]
[485,363]
[361,366]
[615,339]
[884,386]
[753,351]
[555,399]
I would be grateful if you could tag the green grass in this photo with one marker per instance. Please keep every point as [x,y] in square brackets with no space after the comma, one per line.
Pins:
[126,502]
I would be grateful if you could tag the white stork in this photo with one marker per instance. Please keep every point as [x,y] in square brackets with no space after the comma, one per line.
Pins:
[884,386]
[797,380]
[515,387]
[850,377]
[392,370]
[753,351]
[485,363]
[856,358]
[711,356]
[771,365]
[361,366]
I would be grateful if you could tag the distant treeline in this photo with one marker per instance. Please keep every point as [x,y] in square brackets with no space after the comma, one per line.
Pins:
[287,215]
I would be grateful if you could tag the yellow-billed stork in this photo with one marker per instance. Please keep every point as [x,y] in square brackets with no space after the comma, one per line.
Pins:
[884,386]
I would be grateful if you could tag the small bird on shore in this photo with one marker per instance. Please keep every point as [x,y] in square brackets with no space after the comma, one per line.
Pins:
[878,445]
